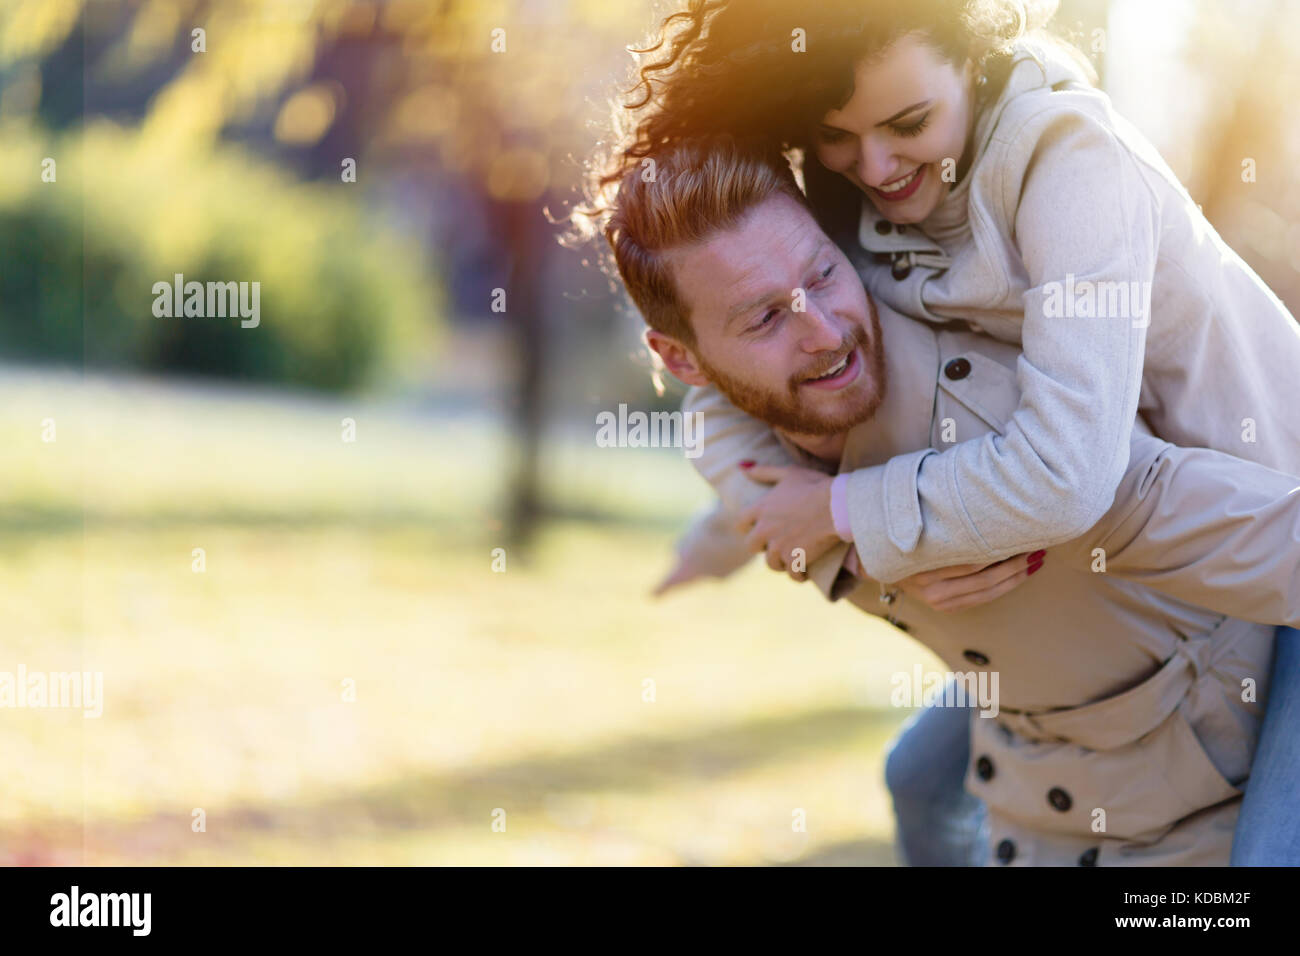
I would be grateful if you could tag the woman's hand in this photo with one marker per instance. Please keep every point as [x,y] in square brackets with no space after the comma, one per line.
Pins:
[969,585]
[796,513]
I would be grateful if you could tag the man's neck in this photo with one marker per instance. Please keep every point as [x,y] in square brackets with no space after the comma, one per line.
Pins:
[826,448]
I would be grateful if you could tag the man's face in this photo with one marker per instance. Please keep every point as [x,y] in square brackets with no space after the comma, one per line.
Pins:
[783,325]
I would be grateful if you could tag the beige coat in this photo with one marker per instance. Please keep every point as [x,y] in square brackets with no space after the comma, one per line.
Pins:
[1123,736]
[1063,192]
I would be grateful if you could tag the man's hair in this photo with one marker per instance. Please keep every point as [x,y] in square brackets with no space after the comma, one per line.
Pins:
[684,194]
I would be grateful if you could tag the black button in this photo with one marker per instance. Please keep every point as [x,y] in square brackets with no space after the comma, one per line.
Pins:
[984,767]
[1006,851]
[1059,799]
[883,226]
[958,368]
[975,657]
[901,271]
[1089,858]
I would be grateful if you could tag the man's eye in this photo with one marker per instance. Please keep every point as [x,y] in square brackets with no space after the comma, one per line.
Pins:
[766,320]
[826,273]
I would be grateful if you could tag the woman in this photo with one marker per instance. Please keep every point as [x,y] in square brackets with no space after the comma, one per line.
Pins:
[966,163]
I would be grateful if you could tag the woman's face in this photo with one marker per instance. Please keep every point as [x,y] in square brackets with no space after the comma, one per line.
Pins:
[910,112]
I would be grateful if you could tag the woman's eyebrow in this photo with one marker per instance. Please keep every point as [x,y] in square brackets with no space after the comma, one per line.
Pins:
[903,112]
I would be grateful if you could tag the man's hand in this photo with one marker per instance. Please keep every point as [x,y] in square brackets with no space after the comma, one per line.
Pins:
[969,585]
[796,513]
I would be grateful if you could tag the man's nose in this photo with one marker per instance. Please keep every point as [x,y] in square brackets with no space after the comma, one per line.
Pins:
[819,332]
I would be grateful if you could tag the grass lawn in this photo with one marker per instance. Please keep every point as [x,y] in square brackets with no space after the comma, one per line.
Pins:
[348,681]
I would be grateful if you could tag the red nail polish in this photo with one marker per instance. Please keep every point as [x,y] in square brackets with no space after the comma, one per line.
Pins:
[747,463]
[1035,567]
[1037,556]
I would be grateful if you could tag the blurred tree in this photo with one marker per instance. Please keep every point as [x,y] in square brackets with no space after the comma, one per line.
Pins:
[480,94]
[1245,133]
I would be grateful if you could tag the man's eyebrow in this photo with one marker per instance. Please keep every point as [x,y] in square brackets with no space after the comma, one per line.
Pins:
[903,112]
[742,308]
[738,310]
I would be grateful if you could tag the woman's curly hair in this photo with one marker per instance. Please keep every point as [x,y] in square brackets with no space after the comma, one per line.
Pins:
[770,69]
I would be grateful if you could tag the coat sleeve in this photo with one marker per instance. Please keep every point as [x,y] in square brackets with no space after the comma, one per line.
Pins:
[1206,528]
[1053,470]
[713,544]
[730,436]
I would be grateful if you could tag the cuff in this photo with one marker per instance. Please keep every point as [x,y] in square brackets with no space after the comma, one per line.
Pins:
[840,506]
[826,573]
[885,514]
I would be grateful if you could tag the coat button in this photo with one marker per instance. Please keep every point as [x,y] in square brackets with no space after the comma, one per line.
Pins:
[1059,799]
[883,226]
[900,271]
[1089,857]
[958,368]
[984,767]
[1006,851]
[975,657]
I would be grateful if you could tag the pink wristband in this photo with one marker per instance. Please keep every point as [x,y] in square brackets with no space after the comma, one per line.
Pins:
[840,506]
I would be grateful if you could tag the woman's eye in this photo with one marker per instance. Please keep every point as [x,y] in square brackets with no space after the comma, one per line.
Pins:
[914,129]
[832,136]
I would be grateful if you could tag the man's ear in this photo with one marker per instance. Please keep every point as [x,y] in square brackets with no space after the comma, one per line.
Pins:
[677,358]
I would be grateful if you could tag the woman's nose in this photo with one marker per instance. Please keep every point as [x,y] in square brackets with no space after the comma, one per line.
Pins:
[876,163]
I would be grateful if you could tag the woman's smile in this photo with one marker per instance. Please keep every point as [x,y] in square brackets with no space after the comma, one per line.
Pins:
[902,188]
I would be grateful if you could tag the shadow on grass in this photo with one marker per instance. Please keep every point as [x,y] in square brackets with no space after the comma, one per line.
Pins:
[47,520]
[538,784]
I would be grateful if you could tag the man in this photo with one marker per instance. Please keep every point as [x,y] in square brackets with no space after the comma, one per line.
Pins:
[1123,731]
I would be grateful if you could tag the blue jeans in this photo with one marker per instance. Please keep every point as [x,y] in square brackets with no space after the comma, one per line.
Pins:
[1268,829]
[939,823]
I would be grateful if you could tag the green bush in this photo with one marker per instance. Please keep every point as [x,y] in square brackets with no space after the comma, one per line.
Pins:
[343,300]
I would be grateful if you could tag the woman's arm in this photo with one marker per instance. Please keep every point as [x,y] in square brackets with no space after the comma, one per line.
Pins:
[730,437]
[1054,471]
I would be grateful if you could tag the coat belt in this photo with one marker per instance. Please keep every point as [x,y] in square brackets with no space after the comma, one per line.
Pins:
[1119,720]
